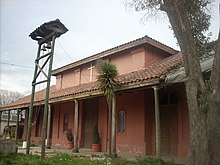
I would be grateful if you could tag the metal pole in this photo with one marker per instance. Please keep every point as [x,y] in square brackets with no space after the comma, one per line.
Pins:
[76,119]
[157,121]
[48,127]
[32,104]
[46,100]
[17,126]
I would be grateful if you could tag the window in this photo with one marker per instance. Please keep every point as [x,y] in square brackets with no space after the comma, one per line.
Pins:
[121,121]
[65,121]
[168,98]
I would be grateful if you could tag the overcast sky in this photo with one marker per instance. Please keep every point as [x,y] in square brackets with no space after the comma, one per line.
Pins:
[94,26]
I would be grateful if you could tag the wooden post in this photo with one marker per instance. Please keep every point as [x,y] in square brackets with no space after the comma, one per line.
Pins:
[109,128]
[113,144]
[47,100]
[24,137]
[32,105]
[157,122]
[76,126]
[17,126]
[48,145]
[1,122]
[8,118]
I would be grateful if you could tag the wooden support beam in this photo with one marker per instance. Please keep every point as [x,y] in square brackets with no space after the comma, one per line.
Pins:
[157,122]
[32,106]
[76,126]
[113,144]
[47,101]
[0,122]
[48,145]
[8,118]
[109,129]
[17,126]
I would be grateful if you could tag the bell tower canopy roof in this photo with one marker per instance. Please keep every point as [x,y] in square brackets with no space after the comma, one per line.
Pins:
[46,31]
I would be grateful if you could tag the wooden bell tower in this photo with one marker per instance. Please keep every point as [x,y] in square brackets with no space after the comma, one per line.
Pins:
[45,35]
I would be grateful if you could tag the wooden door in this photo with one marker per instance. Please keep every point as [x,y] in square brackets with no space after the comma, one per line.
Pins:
[169,129]
[90,119]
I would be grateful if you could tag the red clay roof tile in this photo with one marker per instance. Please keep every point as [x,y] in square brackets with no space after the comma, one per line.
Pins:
[154,71]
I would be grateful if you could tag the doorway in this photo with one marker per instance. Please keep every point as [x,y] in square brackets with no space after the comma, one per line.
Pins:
[169,124]
[90,119]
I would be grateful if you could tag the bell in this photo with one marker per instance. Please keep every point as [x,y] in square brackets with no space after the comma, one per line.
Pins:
[44,48]
[48,45]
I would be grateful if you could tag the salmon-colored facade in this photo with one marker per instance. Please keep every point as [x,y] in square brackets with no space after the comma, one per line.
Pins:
[138,137]
[126,61]
[135,104]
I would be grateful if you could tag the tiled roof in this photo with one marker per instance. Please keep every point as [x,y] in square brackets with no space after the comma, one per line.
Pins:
[152,72]
[25,101]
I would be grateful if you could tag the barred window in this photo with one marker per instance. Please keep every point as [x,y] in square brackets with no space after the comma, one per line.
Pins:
[121,121]
[65,121]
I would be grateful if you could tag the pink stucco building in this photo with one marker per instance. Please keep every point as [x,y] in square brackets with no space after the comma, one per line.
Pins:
[143,65]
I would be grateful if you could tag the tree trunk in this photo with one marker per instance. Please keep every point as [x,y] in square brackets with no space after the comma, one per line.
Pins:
[213,127]
[198,151]
[204,146]
[203,100]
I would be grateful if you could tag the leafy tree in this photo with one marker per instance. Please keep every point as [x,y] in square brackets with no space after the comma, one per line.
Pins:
[107,73]
[190,20]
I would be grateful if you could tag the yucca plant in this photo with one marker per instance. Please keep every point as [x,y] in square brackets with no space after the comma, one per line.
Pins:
[107,73]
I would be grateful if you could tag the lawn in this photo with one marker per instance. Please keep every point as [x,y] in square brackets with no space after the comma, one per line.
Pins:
[66,159]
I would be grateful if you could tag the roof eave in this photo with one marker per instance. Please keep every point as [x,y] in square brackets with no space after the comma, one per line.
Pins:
[86,95]
[97,93]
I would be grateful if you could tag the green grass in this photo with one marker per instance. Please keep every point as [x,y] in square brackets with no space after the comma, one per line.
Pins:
[63,158]
[20,159]
[152,161]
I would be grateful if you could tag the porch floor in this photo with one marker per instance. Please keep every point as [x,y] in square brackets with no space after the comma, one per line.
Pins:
[88,153]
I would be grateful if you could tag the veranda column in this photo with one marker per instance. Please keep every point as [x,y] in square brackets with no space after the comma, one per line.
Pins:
[113,144]
[76,126]
[48,144]
[17,125]
[8,118]
[25,132]
[157,121]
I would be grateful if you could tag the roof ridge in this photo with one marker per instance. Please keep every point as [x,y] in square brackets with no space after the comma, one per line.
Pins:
[121,47]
